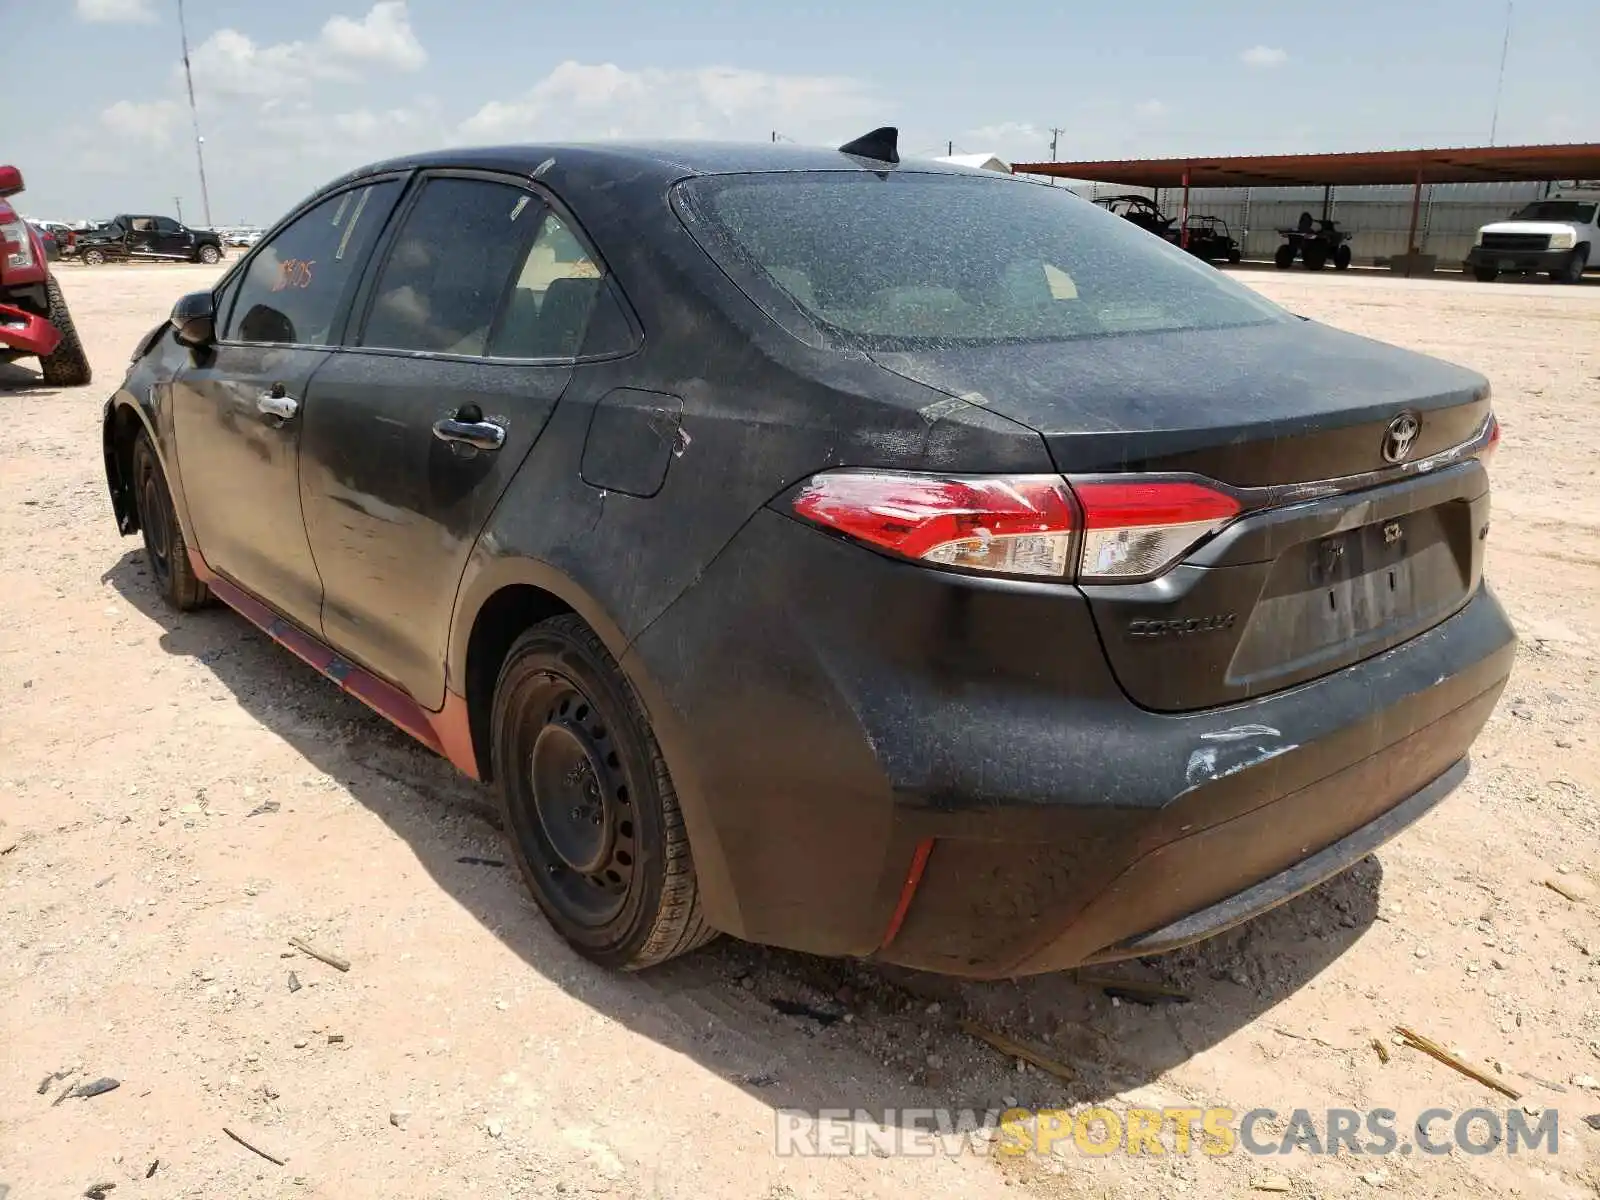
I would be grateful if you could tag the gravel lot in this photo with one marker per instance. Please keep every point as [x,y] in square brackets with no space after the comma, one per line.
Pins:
[149,896]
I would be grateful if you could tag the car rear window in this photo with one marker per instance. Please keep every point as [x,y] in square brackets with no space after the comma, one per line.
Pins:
[915,259]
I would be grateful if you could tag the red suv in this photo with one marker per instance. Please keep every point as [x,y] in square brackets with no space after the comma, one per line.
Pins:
[33,313]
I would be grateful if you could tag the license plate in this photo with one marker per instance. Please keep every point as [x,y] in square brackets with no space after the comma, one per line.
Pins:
[1508,264]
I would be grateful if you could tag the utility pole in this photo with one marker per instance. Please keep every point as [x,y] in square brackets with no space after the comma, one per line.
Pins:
[194,117]
[949,148]
[1505,46]
[1055,135]
[177,203]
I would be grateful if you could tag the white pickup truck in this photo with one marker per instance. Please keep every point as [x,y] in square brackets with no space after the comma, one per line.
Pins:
[1559,235]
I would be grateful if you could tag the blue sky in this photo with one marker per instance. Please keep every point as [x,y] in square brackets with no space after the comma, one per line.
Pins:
[295,92]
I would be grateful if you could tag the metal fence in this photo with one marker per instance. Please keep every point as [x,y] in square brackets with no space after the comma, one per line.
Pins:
[1379,217]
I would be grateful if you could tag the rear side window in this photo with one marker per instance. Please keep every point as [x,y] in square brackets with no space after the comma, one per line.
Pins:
[915,259]
[561,304]
[450,266]
[295,286]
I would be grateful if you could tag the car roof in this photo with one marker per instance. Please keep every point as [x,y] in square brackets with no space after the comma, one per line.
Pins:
[664,162]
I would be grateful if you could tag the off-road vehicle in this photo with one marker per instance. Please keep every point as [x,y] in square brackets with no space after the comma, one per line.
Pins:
[34,321]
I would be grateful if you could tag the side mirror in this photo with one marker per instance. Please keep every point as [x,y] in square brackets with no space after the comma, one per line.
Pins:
[194,318]
[10,181]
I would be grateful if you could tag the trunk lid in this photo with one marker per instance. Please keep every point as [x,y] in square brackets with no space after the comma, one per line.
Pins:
[1287,402]
[1289,592]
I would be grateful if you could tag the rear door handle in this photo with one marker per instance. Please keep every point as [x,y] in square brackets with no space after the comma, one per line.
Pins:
[484,435]
[276,404]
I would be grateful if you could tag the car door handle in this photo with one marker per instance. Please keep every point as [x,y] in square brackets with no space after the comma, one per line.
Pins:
[275,404]
[484,435]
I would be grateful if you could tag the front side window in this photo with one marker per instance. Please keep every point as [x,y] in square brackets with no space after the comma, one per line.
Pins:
[167,225]
[450,266]
[921,259]
[295,286]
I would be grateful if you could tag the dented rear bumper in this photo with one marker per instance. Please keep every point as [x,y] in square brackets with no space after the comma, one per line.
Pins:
[941,771]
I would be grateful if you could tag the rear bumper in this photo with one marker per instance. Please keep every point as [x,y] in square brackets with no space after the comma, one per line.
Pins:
[1285,885]
[939,771]
[1518,260]
[26,332]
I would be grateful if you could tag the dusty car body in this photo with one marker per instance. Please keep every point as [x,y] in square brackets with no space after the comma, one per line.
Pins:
[797,569]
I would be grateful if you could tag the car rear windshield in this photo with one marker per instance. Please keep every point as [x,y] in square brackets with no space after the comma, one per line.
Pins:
[1557,210]
[916,259]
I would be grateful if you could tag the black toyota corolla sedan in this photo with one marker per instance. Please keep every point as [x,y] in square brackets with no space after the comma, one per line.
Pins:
[867,557]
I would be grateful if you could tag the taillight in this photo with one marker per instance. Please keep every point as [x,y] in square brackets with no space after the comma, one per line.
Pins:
[1036,525]
[1007,525]
[1133,530]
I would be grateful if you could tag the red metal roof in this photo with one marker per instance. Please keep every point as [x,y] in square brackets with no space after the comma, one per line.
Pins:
[1484,164]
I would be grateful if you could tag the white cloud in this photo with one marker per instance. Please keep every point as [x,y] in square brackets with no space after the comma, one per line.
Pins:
[153,122]
[602,100]
[1150,108]
[1007,133]
[1264,56]
[230,63]
[115,11]
[383,37]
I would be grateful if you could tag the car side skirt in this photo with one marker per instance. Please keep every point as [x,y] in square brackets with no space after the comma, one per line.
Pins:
[446,732]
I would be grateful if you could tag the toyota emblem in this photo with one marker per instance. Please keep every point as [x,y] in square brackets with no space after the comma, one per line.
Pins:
[1401,436]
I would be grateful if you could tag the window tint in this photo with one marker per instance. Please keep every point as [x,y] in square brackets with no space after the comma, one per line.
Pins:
[919,259]
[167,225]
[449,267]
[558,290]
[294,287]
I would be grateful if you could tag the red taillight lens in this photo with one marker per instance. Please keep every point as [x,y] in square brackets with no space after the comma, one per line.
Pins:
[1133,530]
[1008,525]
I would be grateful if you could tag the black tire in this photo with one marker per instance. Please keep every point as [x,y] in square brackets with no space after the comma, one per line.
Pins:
[1342,257]
[589,808]
[92,257]
[209,255]
[1315,258]
[67,365]
[1283,257]
[1572,270]
[1235,257]
[1485,274]
[164,545]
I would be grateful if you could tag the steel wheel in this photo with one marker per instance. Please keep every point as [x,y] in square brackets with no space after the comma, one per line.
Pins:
[164,546]
[589,807]
[583,836]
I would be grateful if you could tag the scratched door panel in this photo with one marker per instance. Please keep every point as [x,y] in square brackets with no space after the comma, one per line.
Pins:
[392,510]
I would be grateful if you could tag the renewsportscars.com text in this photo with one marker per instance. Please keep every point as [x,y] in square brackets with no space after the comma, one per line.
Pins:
[1104,1130]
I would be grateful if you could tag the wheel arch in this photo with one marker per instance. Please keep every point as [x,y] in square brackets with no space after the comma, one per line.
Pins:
[123,422]
[500,598]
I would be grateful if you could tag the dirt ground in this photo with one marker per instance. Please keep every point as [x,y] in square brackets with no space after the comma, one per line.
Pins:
[178,798]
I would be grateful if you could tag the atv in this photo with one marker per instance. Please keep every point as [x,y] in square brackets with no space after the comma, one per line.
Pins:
[34,320]
[1208,238]
[1316,243]
[1142,211]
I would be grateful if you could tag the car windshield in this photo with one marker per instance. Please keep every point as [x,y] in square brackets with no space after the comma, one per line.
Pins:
[915,259]
[1557,210]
